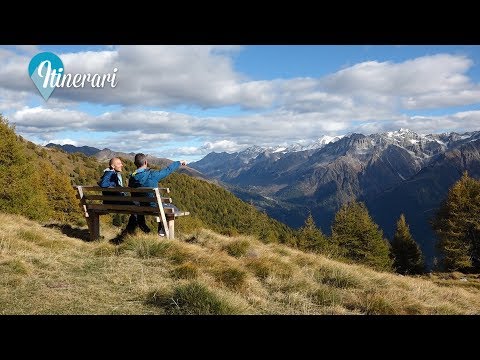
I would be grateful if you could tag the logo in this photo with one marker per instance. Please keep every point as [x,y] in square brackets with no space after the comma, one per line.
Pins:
[47,73]
[41,68]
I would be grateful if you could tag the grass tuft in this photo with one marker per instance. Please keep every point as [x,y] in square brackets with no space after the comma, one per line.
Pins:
[37,237]
[107,249]
[266,266]
[231,277]
[336,277]
[237,248]
[146,247]
[14,266]
[325,296]
[184,271]
[192,298]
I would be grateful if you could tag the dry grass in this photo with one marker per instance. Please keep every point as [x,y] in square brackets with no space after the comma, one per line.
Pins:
[43,271]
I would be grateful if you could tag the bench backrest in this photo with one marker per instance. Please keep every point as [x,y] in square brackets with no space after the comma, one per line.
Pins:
[92,198]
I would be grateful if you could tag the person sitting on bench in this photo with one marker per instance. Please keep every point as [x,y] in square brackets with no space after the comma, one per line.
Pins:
[146,177]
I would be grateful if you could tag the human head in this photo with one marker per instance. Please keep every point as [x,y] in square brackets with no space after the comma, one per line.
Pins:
[115,164]
[140,160]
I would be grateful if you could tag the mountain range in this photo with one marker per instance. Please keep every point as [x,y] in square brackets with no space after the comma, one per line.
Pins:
[106,154]
[392,172]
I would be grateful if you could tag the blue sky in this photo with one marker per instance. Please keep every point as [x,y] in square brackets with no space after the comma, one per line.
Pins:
[183,102]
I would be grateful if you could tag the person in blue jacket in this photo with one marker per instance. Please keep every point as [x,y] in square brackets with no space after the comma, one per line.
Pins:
[112,178]
[146,177]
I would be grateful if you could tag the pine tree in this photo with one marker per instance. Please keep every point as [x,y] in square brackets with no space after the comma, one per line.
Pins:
[310,237]
[408,258]
[457,224]
[359,237]
[20,183]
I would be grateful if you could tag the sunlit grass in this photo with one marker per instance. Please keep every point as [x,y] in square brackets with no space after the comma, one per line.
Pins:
[43,271]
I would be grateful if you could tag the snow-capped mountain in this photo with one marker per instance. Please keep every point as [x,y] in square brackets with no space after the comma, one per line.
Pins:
[323,174]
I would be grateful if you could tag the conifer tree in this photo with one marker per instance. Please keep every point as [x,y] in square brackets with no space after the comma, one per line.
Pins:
[19,182]
[408,258]
[359,237]
[310,237]
[457,224]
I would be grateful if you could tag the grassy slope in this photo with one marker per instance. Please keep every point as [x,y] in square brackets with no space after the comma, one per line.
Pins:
[43,271]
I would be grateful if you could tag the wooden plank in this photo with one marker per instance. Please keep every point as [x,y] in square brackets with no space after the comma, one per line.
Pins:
[133,208]
[127,198]
[170,211]
[122,189]
[141,212]
[182,213]
[171,228]
[115,211]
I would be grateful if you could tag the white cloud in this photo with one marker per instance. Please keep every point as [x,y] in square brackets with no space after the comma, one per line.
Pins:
[51,119]
[459,122]
[136,129]
[425,82]
[221,145]
[62,142]
[418,76]
[12,100]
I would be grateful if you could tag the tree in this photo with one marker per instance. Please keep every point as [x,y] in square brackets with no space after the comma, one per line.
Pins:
[18,183]
[359,237]
[457,225]
[310,237]
[408,258]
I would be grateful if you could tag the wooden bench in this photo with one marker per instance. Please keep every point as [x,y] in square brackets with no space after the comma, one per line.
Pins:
[92,205]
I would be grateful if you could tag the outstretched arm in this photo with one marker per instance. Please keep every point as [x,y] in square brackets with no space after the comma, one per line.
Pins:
[161,174]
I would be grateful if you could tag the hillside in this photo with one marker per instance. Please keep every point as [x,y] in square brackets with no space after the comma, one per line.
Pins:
[43,271]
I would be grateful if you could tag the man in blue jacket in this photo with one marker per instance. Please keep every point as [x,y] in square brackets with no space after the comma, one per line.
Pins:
[112,178]
[145,177]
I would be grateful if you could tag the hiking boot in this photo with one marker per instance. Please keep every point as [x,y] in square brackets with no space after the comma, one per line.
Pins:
[129,229]
[144,228]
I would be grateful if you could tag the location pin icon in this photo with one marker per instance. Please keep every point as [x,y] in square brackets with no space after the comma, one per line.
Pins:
[44,70]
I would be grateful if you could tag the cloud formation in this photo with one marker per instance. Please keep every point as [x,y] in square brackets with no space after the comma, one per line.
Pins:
[366,97]
[156,131]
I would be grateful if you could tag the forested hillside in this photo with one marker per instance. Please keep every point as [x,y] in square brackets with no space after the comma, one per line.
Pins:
[37,182]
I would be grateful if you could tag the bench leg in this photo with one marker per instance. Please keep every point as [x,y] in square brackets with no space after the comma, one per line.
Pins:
[93,222]
[171,226]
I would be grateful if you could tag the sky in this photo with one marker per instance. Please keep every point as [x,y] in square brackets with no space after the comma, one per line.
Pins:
[183,102]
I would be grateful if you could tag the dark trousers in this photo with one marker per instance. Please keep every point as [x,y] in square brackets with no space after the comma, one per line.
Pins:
[134,221]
